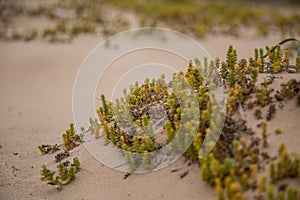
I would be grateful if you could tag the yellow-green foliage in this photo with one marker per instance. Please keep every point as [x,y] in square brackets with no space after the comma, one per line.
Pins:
[70,138]
[286,166]
[270,192]
[262,184]
[219,189]
[281,195]
[234,171]
[254,172]
[65,174]
[229,16]
[146,159]
[264,133]
[292,193]
[262,96]
[244,181]
[272,172]
[235,191]
[199,18]
[298,63]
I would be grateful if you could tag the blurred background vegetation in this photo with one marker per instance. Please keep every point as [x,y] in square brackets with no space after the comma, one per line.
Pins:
[65,19]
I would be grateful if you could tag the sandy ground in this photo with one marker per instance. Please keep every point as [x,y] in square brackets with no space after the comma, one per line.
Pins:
[36,81]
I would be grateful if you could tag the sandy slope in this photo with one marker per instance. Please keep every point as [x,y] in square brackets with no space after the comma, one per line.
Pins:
[36,81]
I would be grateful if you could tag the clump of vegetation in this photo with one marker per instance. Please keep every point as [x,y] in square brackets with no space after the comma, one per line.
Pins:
[72,18]
[263,96]
[233,166]
[70,141]
[287,166]
[70,138]
[220,17]
[233,175]
[48,148]
[128,123]
[289,90]
[66,173]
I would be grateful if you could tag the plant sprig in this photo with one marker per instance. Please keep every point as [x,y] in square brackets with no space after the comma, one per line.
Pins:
[66,174]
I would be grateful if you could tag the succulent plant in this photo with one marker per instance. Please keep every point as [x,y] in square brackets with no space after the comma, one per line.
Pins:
[219,189]
[271,192]
[272,172]
[264,134]
[262,185]
[298,63]
[293,194]
[233,166]
[281,195]
[70,138]
[47,148]
[65,174]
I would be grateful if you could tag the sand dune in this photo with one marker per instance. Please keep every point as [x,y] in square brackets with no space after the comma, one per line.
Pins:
[36,81]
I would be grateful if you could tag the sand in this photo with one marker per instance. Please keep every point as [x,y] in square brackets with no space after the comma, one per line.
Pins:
[36,81]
